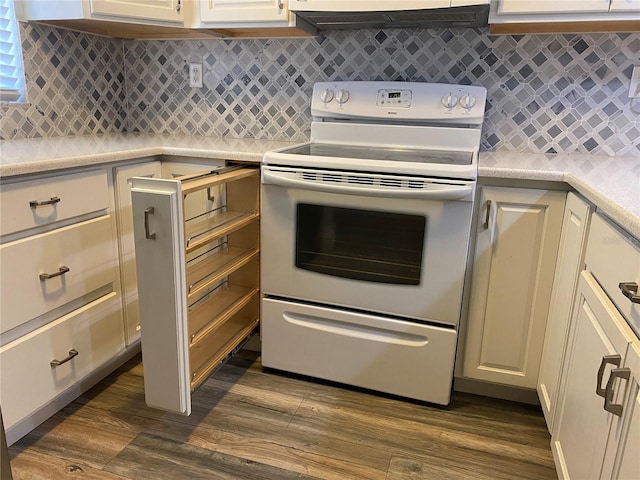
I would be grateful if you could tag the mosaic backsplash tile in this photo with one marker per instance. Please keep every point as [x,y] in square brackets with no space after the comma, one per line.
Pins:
[75,85]
[546,93]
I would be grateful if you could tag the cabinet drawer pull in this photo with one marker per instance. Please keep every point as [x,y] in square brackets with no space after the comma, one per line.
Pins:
[147,213]
[607,359]
[61,271]
[609,406]
[487,215]
[630,290]
[56,363]
[51,201]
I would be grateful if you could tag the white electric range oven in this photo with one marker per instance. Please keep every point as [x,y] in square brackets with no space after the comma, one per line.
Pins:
[365,232]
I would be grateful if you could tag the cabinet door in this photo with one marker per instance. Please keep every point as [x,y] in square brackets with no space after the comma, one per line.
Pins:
[564,6]
[127,246]
[570,261]
[515,258]
[598,343]
[163,10]
[625,6]
[621,459]
[238,11]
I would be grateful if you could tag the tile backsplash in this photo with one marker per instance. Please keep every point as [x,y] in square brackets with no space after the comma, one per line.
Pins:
[546,93]
[75,85]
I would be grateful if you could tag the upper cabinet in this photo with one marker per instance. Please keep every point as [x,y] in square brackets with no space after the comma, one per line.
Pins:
[160,19]
[247,18]
[163,10]
[533,16]
[243,11]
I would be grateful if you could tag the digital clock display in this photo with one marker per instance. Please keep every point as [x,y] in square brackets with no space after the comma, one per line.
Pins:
[394,95]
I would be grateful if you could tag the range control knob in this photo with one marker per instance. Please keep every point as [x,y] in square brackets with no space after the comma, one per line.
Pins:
[449,101]
[467,101]
[326,95]
[342,97]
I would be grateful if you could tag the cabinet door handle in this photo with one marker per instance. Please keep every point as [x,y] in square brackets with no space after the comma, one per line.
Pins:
[72,353]
[179,6]
[147,213]
[607,359]
[280,5]
[630,290]
[61,271]
[487,215]
[51,201]
[609,406]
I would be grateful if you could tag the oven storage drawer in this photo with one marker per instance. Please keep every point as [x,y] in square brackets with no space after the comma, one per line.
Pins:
[197,260]
[43,201]
[388,355]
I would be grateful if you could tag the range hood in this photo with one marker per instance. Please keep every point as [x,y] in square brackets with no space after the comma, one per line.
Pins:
[355,14]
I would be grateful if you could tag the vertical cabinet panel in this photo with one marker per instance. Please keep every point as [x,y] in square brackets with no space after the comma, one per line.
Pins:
[123,178]
[570,262]
[513,272]
[197,257]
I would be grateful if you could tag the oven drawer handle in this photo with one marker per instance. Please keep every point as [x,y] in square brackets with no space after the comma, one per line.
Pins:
[354,330]
[442,192]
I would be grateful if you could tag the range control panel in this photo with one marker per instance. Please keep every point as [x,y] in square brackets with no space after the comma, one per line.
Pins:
[400,101]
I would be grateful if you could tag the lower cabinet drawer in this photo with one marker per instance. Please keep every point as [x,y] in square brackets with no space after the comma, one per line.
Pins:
[43,201]
[29,379]
[79,259]
[613,257]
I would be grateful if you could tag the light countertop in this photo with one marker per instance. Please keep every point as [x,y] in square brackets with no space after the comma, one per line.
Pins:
[611,183]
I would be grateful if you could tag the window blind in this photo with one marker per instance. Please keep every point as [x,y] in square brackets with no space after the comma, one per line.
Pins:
[11,70]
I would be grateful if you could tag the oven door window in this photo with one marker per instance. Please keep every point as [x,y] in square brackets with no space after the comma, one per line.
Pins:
[365,245]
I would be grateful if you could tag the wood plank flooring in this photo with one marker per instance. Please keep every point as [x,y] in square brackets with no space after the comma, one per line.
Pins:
[253,424]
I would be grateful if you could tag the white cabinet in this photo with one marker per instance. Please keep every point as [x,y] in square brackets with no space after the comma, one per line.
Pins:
[534,16]
[598,343]
[548,8]
[154,12]
[621,458]
[248,18]
[596,428]
[163,10]
[60,315]
[243,11]
[152,19]
[198,276]
[570,262]
[515,256]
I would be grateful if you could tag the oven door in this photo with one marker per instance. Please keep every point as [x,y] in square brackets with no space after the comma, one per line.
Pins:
[374,242]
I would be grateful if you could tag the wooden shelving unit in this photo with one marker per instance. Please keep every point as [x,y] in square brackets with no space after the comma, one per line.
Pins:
[197,254]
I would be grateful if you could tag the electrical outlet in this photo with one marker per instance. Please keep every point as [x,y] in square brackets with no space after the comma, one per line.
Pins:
[634,85]
[195,75]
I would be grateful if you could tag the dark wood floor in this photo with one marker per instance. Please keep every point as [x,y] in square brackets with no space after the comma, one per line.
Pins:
[253,424]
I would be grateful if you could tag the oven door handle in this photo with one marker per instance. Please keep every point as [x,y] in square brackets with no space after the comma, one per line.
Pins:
[436,192]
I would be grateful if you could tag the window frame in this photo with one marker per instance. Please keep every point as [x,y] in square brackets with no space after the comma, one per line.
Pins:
[12,78]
